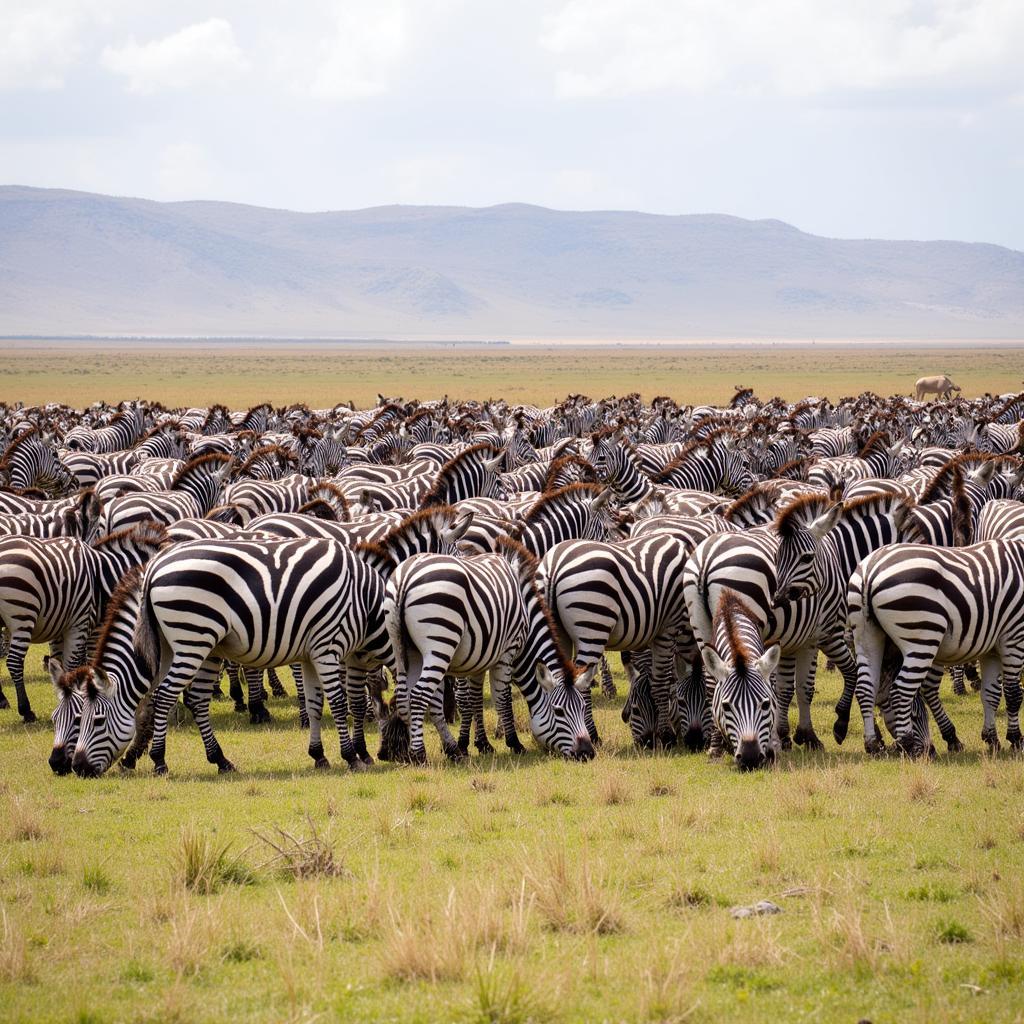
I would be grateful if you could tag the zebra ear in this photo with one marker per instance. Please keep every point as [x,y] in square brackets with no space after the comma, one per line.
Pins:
[768,661]
[494,465]
[458,529]
[716,668]
[601,500]
[821,526]
[983,473]
[56,670]
[545,677]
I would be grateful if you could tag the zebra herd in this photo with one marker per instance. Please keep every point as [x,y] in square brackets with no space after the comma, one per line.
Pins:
[435,543]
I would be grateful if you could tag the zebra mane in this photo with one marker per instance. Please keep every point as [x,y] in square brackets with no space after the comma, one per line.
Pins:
[146,534]
[437,516]
[13,447]
[319,508]
[944,483]
[265,453]
[730,608]
[884,501]
[800,407]
[225,514]
[557,465]
[155,431]
[333,496]
[875,442]
[765,490]
[798,465]
[706,442]
[436,494]
[539,509]
[794,515]
[197,464]
[526,565]
[1007,406]
[123,592]
[390,409]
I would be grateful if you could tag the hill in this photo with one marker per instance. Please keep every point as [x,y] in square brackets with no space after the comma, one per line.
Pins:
[73,262]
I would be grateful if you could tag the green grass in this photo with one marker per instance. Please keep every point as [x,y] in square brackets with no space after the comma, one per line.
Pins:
[510,889]
[242,375]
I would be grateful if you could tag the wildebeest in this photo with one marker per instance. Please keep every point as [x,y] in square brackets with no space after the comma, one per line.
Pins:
[941,384]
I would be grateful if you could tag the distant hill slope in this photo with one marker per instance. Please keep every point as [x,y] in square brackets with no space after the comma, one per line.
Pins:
[73,262]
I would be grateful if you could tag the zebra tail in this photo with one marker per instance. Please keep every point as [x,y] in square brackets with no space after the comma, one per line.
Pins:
[147,635]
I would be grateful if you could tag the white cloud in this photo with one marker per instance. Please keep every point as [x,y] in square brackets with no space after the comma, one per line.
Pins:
[184,171]
[345,51]
[782,47]
[196,55]
[38,44]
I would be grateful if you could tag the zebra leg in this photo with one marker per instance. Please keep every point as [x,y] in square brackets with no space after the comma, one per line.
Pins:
[143,732]
[5,643]
[956,674]
[806,669]
[972,676]
[663,664]
[197,700]
[837,650]
[275,683]
[16,652]
[258,712]
[481,742]
[440,712]
[300,696]
[869,642]
[314,697]
[1012,666]
[464,699]
[184,670]
[607,680]
[235,686]
[328,671]
[356,691]
[930,695]
[917,664]
[991,692]
[501,692]
[785,686]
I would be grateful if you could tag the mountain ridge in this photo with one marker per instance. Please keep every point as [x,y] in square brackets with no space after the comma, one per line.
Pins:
[85,263]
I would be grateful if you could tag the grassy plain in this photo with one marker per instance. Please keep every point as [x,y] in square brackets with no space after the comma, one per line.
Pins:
[243,374]
[511,889]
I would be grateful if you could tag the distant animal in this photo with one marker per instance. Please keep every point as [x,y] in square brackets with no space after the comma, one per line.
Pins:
[941,385]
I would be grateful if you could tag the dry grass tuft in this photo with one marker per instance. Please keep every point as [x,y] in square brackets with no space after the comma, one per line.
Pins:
[502,996]
[310,856]
[754,942]
[203,865]
[922,786]
[614,789]
[666,995]
[190,938]
[24,823]
[572,897]
[14,963]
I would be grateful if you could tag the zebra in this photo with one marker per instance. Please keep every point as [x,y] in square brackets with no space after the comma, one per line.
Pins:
[30,461]
[87,468]
[259,603]
[470,474]
[468,616]
[623,596]
[617,464]
[739,671]
[714,463]
[193,493]
[77,520]
[54,591]
[124,429]
[933,607]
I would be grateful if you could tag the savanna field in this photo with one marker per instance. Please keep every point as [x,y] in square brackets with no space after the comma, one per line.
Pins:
[508,888]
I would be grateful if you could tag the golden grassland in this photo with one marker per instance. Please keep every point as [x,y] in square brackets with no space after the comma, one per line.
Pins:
[510,889]
[244,374]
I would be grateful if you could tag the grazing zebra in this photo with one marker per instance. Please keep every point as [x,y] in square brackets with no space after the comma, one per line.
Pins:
[193,493]
[626,596]
[87,468]
[740,691]
[121,433]
[30,461]
[934,607]
[468,616]
[261,604]
[55,591]
[576,512]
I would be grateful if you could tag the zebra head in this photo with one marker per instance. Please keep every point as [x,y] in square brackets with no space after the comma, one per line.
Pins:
[103,732]
[66,718]
[567,693]
[802,526]
[743,703]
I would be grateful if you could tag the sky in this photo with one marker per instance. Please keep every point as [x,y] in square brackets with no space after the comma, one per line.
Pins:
[873,118]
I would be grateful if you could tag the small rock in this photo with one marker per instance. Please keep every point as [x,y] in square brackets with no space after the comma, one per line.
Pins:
[764,907]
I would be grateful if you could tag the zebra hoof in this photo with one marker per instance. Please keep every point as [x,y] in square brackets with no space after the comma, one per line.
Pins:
[840,729]
[483,747]
[954,746]
[258,714]
[225,767]
[28,717]
[667,739]
[417,755]
[321,763]
[785,741]
[363,755]
[1015,739]
[807,738]
[875,747]
[240,708]
[909,747]
[515,746]
[4,703]
[278,690]
[715,754]
[456,754]
[160,769]
[218,695]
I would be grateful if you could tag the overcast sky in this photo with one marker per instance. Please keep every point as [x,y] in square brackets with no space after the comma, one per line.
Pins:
[851,118]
